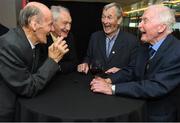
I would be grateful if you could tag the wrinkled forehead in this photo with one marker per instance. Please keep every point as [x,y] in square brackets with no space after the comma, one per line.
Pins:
[149,13]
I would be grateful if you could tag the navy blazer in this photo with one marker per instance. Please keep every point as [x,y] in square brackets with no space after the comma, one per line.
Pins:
[123,51]
[156,83]
[18,77]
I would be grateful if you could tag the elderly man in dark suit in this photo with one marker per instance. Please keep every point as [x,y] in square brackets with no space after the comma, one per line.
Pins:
[62,25]
[156,74]
[20,74]
[112,47]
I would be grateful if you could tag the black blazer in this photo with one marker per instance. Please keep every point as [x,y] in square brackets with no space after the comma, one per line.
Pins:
[17,75]
[156,83]
[123,51]
[3,29]
[69,60]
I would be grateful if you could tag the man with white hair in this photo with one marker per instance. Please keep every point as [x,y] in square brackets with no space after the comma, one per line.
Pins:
[157,70]
[62,25]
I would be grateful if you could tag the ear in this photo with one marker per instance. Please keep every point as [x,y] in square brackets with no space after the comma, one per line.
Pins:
[162,28]
[119,20]
[33,23]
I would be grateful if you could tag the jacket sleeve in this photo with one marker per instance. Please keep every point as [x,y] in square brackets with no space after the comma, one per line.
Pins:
[158,84]
[17,76]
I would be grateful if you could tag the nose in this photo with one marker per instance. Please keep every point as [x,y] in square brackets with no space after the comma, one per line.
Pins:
[140,25]
[104,20]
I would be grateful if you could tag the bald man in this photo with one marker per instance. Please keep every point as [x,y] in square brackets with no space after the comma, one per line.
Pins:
[156,75]
[20,73]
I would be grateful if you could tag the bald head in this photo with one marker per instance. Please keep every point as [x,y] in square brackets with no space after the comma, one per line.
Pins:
[33,9]
[36,21]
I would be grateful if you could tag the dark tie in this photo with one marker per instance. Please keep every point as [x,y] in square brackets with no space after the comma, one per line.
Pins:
[35,62]
[151,52]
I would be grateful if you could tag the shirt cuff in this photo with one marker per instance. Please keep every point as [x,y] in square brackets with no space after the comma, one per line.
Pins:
[113,89]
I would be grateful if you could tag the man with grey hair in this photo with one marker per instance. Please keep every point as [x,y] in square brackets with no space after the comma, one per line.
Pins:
[20,73]
[112,47]
[62,24]
[156,75]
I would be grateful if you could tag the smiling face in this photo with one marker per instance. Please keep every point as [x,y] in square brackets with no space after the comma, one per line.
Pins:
[62,25]
[150,26]
[110,21]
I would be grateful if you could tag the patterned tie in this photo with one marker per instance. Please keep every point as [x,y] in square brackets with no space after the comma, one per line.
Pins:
[151,52]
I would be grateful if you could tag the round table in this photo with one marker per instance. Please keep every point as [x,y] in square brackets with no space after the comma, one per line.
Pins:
[69,98]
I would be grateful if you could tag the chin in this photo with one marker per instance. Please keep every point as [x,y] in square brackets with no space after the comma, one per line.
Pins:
[44,41]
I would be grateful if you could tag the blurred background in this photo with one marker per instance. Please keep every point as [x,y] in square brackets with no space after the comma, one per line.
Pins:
[86,15]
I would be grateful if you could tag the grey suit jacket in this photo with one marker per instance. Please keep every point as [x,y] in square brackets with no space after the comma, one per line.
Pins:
[17,75]
[123,51]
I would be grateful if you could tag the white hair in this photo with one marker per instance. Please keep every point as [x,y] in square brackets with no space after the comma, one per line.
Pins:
[56,10]
[165,15]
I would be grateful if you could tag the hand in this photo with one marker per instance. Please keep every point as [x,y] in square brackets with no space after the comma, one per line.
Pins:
[99,85]
[112,70]
[84,67]
[58,49]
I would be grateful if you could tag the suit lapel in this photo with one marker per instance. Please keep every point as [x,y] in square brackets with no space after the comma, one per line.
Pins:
[143,59]
[160,53]
[25,47]
[117,46]
[102,44]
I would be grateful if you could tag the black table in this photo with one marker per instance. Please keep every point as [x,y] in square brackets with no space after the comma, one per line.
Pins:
[69,98]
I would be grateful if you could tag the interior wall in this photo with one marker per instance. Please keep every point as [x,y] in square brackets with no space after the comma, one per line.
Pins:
[8,13]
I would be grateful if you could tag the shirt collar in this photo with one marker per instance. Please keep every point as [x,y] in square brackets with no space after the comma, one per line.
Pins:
[53,37]
[114,36]
[157,44]
[32,46]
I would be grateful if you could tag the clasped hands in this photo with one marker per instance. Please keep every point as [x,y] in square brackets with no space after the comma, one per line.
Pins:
[58,49]
[101,85]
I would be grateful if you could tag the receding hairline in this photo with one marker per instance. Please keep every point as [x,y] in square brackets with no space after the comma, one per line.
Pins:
[57,10]
[42,8]
[117,6]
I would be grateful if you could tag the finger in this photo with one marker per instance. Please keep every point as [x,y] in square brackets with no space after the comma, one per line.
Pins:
[66,50]
[59,39]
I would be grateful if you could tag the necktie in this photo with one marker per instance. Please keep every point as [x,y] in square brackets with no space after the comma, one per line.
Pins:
[34,64]
[108,50]
[151,52]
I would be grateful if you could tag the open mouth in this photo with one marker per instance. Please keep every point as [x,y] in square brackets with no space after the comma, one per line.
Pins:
[143,32]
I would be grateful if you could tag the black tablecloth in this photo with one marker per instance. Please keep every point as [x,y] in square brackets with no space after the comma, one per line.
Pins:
[69,98]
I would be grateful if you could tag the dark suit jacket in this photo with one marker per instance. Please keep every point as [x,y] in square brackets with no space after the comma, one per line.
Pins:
[3,29]
[69,61]
[156,83]
[18,77]
[123,51]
